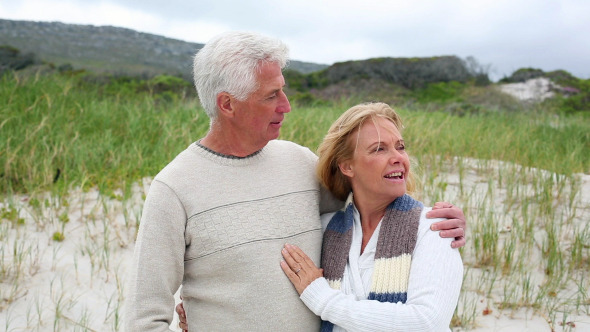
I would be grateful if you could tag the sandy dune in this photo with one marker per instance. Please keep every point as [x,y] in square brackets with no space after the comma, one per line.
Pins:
[78,284]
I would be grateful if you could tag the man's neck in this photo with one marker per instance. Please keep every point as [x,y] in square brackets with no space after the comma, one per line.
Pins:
[224,143]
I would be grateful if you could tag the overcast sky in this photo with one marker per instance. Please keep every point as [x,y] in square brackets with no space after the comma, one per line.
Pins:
[503,35]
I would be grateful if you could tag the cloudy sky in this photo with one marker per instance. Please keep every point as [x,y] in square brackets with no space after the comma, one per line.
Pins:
[503,35]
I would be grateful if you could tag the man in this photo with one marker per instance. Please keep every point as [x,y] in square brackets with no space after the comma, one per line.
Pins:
[216,218]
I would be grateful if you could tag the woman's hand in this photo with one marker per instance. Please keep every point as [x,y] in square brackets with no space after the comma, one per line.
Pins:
[455,224]
[299,268]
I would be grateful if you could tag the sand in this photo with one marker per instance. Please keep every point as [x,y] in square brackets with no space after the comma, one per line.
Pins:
[78,283]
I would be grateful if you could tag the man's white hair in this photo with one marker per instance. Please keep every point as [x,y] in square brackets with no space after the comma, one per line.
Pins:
[229,63]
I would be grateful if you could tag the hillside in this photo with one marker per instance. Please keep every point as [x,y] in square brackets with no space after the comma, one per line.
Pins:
[107,48]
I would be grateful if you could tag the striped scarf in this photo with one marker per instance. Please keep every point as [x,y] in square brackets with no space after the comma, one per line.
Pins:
[393,257]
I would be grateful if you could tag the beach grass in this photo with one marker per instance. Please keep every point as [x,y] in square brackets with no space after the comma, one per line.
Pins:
[77,158]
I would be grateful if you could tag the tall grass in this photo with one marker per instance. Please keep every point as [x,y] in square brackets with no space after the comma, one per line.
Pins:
[63,130]
[77,156]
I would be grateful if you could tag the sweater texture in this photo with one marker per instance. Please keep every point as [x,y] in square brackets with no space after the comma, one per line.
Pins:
[216,225]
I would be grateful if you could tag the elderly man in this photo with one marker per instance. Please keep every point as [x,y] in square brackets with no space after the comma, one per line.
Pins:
[216,218]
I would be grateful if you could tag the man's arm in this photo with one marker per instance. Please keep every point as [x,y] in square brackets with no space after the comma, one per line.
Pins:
[158,263]
[455,224]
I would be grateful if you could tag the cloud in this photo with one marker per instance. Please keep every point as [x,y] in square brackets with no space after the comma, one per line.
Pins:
[506,34]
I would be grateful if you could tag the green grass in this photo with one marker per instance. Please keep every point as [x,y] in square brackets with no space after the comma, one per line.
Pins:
[108,135]
[515,173]
[556,143]
[56,124]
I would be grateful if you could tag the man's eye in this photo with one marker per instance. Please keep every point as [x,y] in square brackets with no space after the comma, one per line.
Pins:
[401,147]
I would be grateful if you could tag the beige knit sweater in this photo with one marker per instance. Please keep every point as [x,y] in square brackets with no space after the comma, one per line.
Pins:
[216,224]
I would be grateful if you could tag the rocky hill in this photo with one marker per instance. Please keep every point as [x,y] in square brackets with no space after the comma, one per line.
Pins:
[107,48]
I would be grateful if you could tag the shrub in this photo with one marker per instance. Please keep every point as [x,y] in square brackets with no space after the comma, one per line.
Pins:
[522,75]
[441,91]
[410,73]
[12,59]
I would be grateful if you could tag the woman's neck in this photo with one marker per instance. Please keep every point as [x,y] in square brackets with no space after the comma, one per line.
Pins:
[371,213]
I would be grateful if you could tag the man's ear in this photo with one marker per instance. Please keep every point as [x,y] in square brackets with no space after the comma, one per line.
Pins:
[224,104]
[346,168]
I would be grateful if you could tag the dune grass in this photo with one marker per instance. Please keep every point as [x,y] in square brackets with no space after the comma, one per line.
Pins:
[77,156]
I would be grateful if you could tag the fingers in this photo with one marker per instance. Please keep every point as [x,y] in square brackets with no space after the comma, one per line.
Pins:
[459,242]
[446,211]
[442,205]
[290,258]
[182,324]
[298,267]
[180,309]
[299,256]
[448,224]
[454,233]
[289,272]
[453,227]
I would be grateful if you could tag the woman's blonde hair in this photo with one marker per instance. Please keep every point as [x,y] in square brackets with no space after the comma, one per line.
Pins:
[337,148]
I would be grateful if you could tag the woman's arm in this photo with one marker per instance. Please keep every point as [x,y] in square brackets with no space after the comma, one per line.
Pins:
[433,291]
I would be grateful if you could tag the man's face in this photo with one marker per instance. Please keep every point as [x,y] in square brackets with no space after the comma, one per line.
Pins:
[259,118]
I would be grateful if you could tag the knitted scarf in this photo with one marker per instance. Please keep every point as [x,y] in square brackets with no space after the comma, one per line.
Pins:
[393,257]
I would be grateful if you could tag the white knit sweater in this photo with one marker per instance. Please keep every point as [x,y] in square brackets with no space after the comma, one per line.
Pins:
[435,281]
[216,224]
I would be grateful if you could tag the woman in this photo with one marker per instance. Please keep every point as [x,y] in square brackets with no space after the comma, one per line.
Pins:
[383,268]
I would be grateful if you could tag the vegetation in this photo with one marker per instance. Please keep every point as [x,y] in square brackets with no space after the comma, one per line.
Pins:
[62,130]
[411,73]
[77,151]
[574,93]
[12,59]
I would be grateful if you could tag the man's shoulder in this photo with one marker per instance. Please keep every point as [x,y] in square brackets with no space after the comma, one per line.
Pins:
[291,147]
[288,144]
[182,162]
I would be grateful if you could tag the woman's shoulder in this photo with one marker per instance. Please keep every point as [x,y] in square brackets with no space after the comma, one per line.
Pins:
[424,230]
[426,222]
[325,218]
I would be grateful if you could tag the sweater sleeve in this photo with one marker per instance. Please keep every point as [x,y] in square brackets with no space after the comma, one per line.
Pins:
[158,262]
[435,281]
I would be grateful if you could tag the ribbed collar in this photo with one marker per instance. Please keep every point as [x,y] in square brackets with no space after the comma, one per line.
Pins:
[228,160]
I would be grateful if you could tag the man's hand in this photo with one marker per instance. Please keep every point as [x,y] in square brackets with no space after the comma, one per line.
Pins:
[455,224]
[182,317]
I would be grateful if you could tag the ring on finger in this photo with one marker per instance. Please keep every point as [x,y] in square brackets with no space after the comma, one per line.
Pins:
[298,270]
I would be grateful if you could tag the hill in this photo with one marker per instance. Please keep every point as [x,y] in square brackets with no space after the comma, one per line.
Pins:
[108,49]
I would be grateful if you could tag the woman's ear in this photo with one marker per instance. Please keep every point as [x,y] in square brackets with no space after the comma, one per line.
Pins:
[346,168]
[224,104]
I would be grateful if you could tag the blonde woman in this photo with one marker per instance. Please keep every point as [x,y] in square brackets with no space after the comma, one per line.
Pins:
[383,269]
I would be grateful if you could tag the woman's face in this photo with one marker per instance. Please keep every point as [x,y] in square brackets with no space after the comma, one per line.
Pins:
[380,164]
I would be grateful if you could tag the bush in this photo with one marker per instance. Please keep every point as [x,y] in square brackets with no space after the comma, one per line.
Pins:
[579,102]
[12,59]
[411,73]
[523,75]
[306,99]
[440,92]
